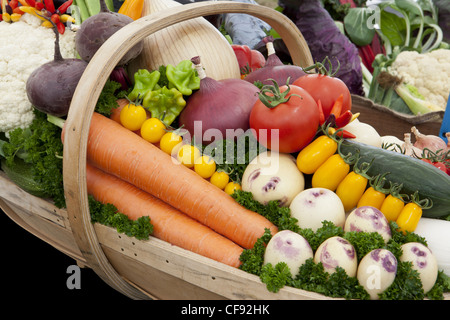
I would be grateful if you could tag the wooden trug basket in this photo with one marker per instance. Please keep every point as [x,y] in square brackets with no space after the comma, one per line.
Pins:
[151,269]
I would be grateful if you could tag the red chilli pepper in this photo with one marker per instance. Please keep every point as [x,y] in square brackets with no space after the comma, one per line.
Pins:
[61,27]
[321,114]
[49,5]
[343,119]
[38,5]
[29,3]
[63,8]
[13,4]
[337,107]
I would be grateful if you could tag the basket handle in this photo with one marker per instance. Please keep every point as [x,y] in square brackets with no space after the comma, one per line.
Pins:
[89,89]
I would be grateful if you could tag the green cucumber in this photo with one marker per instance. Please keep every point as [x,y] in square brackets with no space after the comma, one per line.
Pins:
[413,173]
[21,174]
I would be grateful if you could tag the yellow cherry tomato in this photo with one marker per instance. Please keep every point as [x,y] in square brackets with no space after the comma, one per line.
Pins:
[330,173]
[205,166]
[391,207]
[316,153]
[220,179]
[231,187]
[170,142]
[409,217]
[351,189]
[187,155]
[152,130]
[132,116]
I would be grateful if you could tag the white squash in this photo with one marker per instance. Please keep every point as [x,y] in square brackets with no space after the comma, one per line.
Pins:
[437,234]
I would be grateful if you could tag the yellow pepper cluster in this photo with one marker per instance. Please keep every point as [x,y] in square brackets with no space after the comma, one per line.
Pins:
[355,187]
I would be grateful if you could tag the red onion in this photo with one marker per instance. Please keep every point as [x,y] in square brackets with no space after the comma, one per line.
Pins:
[430,142]
[218,104]
[275,69]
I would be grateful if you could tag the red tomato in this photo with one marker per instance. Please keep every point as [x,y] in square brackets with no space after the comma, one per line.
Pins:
[440,166]
[295,121]
[326,89]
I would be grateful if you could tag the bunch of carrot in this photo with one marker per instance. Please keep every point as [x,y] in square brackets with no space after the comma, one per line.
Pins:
[183,207]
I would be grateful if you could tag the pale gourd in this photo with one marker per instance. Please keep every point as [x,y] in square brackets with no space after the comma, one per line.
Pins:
[184,40]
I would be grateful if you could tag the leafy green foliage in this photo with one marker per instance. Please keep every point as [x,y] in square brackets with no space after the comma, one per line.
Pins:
[107,214]
[279,216]
[39,145]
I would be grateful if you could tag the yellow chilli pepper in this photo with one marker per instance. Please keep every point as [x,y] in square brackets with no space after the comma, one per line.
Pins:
[132,8]
[330,173]
[316,153]
[393,203]
[352,187]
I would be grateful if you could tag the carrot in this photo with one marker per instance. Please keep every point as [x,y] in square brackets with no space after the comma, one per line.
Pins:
[120,152]
[115,114]
[169,224]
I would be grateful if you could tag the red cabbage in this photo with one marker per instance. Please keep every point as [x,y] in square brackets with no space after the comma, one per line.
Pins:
[326,40]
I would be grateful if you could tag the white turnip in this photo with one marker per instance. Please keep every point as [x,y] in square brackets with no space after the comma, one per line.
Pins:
[288,247]
[423,261]
[377,271]
[314,205]
[273,176]
[368,219]
[337,252]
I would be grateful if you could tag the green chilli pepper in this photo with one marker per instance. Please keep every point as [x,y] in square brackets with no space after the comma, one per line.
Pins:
[183,77]
[164,103]
[144,81]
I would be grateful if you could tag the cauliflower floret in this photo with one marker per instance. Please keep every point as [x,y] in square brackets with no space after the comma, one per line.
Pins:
[428,72]
[25,45]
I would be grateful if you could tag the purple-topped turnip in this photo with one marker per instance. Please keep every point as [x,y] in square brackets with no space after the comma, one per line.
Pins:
[313,206]
[288,247]
[368,219]
[337,252]
[377,271]
[423,261]
[273,176]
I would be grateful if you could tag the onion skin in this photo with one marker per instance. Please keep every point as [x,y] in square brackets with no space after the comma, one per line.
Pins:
[50,87]
[280,74]
[224,104]
[430,142]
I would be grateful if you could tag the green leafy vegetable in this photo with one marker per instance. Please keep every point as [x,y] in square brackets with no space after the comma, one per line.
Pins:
[39,145]
[107,214]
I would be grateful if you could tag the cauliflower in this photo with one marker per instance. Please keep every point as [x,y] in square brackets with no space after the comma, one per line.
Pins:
[25,45]
[428,72]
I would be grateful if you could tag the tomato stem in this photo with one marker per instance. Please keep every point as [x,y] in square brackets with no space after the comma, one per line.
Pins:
[271,95]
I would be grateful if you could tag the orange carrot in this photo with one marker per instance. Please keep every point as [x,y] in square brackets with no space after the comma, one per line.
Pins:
[115,114]
[122,153]
[169,224]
